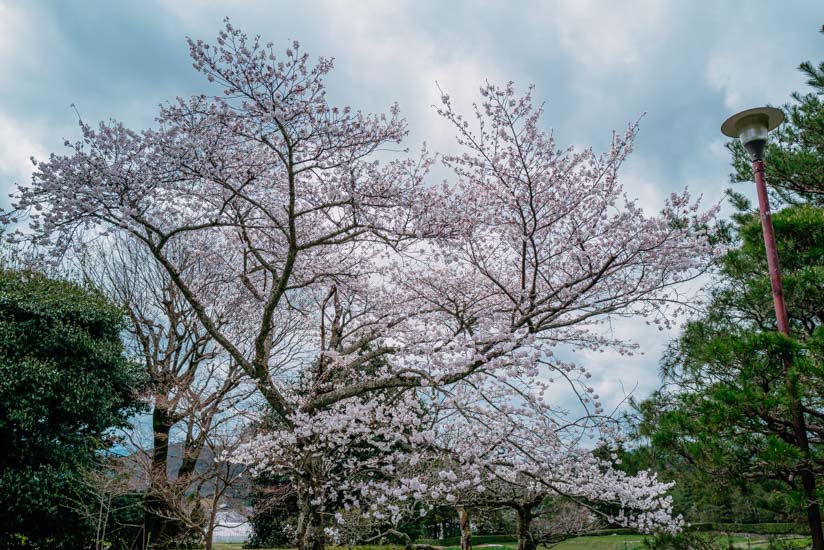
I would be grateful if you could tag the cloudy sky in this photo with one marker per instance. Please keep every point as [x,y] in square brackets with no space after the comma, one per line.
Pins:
[599,65]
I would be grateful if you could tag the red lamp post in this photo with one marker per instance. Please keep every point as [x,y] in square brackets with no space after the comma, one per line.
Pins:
[751,127]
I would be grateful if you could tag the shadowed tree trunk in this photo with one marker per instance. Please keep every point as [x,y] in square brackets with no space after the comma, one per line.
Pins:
[526,541]
[310,519]
[466,529]
[807,475]
[160,529]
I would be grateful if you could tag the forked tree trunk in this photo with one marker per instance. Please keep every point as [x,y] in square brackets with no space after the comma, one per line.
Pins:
[466,529]
[525,539]
[159,526]
[310,519]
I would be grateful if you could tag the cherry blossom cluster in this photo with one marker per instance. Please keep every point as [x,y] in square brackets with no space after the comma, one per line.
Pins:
[494,448]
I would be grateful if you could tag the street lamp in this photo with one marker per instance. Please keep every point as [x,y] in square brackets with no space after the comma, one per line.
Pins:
[751,127]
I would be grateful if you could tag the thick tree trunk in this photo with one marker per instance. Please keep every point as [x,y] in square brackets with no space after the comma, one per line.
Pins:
[310,530]
[189,462]
[210,532]
[310,519]
[160,529]
[154,520]
[466,530]
[525,540]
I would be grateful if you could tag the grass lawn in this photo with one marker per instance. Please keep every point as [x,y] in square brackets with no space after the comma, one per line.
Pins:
[607,542]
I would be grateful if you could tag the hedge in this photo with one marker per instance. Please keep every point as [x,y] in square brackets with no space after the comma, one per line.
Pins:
[492,539]
[754,528]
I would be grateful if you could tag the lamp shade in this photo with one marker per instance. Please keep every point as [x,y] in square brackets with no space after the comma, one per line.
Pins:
[752,123]
[751,127]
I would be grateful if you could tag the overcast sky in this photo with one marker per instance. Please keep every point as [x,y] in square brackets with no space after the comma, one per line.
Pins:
[684,65]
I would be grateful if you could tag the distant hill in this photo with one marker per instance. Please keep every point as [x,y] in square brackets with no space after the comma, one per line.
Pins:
[239,491]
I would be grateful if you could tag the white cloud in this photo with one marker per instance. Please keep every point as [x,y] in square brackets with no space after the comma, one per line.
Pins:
[10,19]
[17,147]
[390,59]
[12,24]
[644,182]
[616,376]
[751,74]
[606,35]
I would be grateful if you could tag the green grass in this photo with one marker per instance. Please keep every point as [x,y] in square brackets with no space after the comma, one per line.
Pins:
[605,542]
[610,542]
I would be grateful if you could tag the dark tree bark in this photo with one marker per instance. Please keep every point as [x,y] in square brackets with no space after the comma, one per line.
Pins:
[807,475]
[526,541]
[466,529]
[161,530]
[310,519]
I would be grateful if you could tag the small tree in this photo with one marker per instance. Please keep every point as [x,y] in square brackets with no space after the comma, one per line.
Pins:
[109,494]
[275,511]
[225,485]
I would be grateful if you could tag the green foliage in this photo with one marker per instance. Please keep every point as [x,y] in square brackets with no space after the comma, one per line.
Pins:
[275,508]
[757,528]
[722,426]
[64,384]
[730,416]
[125,524]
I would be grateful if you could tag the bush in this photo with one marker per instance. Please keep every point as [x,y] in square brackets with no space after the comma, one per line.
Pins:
[64,383]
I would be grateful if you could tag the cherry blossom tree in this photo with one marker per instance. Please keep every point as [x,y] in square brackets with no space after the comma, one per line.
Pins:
[406,293]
